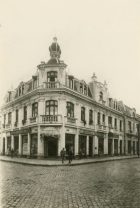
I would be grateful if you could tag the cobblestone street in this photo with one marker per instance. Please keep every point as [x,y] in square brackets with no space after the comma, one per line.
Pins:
[110,184]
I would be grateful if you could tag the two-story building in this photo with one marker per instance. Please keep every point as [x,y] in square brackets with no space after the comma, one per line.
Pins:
[54,110]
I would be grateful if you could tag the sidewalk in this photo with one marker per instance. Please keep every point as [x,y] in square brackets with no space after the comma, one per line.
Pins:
[57,162]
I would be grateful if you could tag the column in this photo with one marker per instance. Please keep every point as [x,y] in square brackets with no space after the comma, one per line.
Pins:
[106,144]
[87,146]
[6,145]
[12,142]
[112,146]
[62,140]
[40,150]
[29,145]
[77,143]
[20,145]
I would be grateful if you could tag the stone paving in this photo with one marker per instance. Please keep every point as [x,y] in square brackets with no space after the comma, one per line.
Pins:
[114,184]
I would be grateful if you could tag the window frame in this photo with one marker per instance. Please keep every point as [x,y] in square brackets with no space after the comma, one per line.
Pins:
[70,108]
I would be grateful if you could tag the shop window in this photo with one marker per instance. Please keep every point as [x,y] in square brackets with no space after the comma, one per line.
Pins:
[98,118]
[52,76]
[90,117]
[9,118]
[83,114]
[34,109]
[51,107]
[70,109]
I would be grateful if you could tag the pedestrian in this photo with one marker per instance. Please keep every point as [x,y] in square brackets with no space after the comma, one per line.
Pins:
[70,155]
[62,153]
[12,152]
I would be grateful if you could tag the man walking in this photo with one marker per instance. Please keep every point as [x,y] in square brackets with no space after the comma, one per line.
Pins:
[62,153]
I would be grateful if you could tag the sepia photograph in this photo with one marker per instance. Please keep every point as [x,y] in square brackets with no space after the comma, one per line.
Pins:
[70,104]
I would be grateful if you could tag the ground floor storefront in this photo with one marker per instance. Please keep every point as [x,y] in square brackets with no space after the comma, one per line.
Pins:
[44,142]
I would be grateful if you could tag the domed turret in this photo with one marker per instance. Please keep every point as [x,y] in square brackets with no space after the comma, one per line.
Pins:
[54,49]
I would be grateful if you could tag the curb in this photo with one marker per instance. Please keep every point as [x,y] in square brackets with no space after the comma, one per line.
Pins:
[66,164]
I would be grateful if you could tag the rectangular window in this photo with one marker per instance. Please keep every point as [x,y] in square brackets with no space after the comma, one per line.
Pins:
[90,117]
[120,125]
[115,123]
[110,121]
[103,119]
[82,114]
[16,115]
[51,107]
[98,118]
[70,109]
[4,119]
[34,109]
[129,126]
[25,113]
[9,118]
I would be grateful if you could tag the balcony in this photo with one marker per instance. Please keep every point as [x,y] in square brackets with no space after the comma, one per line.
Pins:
[16,124]
[51,119]
[70,120]
[101,127]
[8,126]
[51,85]
[33,119]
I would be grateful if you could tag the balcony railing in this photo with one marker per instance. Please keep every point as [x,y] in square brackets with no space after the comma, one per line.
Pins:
[101,127]
[49,119]
[16,124]
[8,126]
[51,85]
[33,119]
[70,120]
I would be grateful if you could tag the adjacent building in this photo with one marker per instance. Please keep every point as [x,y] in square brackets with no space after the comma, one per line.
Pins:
[54,110]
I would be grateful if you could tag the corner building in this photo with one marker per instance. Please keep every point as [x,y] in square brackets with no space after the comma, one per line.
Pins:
[54,110]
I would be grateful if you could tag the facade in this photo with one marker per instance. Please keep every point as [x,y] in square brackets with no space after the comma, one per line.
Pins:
[54,110]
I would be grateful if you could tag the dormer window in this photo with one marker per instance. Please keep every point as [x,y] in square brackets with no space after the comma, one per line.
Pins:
[85,90]
[81,88]
[34,82]
[101,95]
[70,80]
[52,76]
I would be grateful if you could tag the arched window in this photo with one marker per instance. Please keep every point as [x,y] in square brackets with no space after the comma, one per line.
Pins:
[52,76]
[82,113]
[34,109]
[101,95]
[51,107]
[70,109]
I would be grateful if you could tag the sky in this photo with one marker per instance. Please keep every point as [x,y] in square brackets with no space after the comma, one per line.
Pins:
[95,36]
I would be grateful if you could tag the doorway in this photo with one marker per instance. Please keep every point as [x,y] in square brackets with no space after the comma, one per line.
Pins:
[109,146]
[50,147]
[90,146]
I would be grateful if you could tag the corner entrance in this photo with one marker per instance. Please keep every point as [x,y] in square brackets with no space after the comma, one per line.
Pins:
[50,147]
